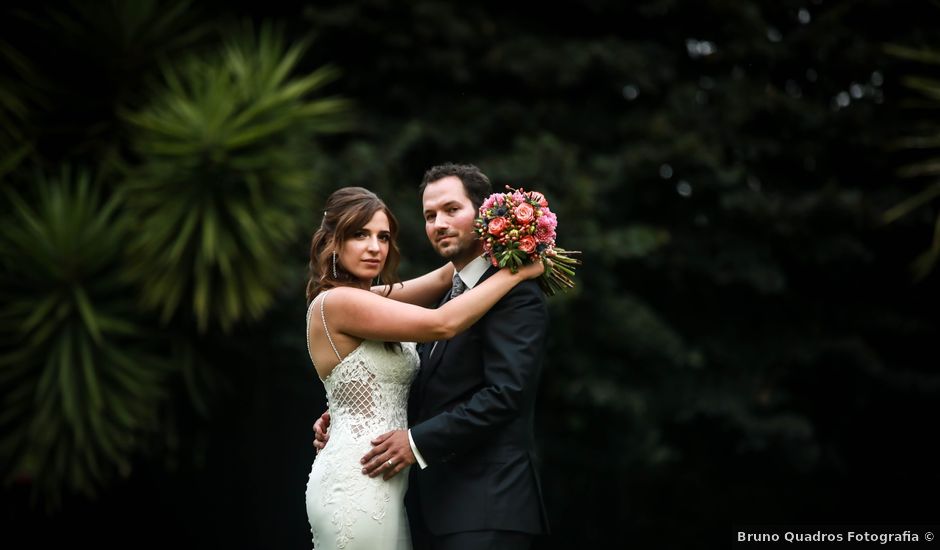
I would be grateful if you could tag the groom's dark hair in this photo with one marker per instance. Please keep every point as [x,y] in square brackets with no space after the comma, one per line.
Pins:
[475,183]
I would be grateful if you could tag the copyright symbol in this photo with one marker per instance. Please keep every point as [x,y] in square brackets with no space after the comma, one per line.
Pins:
[928,536]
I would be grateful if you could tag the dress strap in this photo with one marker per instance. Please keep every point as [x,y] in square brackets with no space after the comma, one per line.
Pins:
[309,352]
[323,318]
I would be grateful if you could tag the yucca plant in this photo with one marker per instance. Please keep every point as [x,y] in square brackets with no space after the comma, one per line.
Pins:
[80,377]
[926,138]
[226,152]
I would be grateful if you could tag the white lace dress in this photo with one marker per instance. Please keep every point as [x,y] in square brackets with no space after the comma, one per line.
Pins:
[367,394]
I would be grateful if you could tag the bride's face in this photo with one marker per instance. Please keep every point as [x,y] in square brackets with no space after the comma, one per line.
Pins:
[364,253]
[448,220]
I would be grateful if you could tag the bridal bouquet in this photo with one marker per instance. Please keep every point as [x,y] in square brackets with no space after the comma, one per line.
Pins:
[518,228]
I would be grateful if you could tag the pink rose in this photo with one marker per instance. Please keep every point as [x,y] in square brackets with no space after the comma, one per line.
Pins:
[527,244]
[524,212]
[497,226]
[539,198]
[544,233]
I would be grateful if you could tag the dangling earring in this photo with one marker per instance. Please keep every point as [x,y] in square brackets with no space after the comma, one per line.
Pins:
[334,264]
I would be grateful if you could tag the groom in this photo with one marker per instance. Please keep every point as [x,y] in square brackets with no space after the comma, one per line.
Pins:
[472,404]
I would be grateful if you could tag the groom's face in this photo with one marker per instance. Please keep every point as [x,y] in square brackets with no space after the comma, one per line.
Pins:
[448,220]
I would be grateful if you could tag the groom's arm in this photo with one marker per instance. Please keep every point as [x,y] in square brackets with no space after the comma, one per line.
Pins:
[513,338]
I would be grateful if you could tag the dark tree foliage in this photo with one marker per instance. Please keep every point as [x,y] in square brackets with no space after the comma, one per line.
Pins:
[747,344]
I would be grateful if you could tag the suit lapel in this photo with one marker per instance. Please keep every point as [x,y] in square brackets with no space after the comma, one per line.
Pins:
[424,356]
[430,363]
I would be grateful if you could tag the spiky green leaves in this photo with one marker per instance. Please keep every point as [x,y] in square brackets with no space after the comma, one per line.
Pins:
[81,389]
[226,154]
[926,139]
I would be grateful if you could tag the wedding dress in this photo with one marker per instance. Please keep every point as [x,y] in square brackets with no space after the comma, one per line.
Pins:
[367,395]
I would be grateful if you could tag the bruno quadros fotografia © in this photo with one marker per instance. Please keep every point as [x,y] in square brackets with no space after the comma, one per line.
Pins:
[880,536]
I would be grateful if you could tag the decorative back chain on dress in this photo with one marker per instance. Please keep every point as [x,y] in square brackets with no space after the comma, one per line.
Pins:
[323,318]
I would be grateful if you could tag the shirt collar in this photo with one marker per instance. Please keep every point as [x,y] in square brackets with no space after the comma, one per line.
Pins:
[471,273]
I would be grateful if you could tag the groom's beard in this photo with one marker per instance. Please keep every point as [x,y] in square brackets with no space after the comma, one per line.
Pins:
[462,250]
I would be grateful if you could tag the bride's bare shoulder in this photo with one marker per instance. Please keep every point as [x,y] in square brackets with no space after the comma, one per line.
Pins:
[345,295]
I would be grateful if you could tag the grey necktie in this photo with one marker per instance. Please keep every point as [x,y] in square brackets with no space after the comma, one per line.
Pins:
[458,287]
[455,290]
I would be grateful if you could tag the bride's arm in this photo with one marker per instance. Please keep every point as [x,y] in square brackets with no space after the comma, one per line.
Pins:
[369,316]
[423,291]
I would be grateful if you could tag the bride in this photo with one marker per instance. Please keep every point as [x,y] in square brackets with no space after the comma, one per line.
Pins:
[362,347]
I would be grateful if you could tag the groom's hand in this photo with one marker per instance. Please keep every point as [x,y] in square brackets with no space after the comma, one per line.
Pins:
[390,454]
[320,431]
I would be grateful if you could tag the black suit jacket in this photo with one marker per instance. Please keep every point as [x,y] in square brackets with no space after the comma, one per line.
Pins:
[471,409]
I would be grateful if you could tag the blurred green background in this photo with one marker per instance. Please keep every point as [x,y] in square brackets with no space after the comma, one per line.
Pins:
[753,184]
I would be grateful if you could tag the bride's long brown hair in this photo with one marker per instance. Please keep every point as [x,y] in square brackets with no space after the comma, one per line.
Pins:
[346,211]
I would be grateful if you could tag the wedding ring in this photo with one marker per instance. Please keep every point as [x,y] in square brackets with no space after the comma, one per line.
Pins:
[390,463]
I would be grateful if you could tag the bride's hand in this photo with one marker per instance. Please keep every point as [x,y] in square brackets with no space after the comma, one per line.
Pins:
[533,270]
